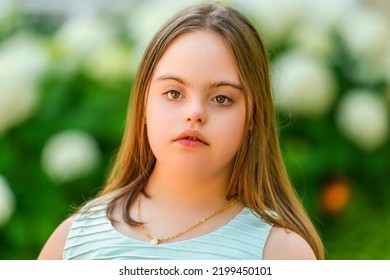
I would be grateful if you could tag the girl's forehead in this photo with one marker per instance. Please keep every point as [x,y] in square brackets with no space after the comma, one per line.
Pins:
[198,54]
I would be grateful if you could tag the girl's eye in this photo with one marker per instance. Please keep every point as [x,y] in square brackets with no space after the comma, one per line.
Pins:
[173,94]
[223,100]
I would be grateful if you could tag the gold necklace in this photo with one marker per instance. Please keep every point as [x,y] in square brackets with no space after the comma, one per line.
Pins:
[155,240]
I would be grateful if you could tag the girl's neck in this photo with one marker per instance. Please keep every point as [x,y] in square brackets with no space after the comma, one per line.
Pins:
[176,185]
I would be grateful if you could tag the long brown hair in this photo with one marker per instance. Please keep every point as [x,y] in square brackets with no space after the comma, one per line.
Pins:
[259,177]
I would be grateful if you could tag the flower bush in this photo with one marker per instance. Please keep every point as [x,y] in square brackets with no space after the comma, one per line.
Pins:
[65,81]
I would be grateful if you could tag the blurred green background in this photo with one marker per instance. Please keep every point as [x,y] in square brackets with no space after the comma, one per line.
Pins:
[67,67]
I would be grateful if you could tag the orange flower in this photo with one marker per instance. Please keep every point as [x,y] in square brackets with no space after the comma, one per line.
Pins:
[336,196]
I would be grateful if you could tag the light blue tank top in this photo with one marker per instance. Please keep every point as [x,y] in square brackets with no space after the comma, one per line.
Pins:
[93,237]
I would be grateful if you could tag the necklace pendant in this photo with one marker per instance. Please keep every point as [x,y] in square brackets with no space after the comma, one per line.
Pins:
[154,241]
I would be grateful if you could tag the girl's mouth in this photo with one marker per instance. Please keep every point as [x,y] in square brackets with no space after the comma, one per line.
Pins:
[191,138]
[191,142]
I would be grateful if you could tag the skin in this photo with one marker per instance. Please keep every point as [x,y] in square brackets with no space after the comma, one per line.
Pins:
[199,93]
[195,90]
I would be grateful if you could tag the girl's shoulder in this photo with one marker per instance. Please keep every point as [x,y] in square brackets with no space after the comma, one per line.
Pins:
[54,246]
[285,244]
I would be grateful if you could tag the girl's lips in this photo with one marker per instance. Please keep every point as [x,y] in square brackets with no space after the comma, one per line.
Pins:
[189,143]
[191,138]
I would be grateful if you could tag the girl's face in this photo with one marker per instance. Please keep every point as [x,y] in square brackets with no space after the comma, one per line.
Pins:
[195,109]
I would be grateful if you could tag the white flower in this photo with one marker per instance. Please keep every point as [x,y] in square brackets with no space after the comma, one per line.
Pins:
[274,18]
[17,103]
[7,201]
[312,39]
[366,35]
[110,63]
[302,84]
[313,27]
[23,60]
[386,63]
[326,14]
[69,155]
[365,32]
[363,118]
[81,35]
[23,56]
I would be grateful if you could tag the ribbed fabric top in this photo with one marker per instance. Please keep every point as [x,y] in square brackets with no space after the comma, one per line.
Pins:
[93,237]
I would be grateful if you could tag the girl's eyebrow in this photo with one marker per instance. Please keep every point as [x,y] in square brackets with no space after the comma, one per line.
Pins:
[172,77]
[211,86]
[226,84]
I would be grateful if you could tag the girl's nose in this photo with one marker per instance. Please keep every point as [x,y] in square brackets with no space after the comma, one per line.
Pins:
[196,113]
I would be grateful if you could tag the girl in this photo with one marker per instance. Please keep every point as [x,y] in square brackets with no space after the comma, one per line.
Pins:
[199,174]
